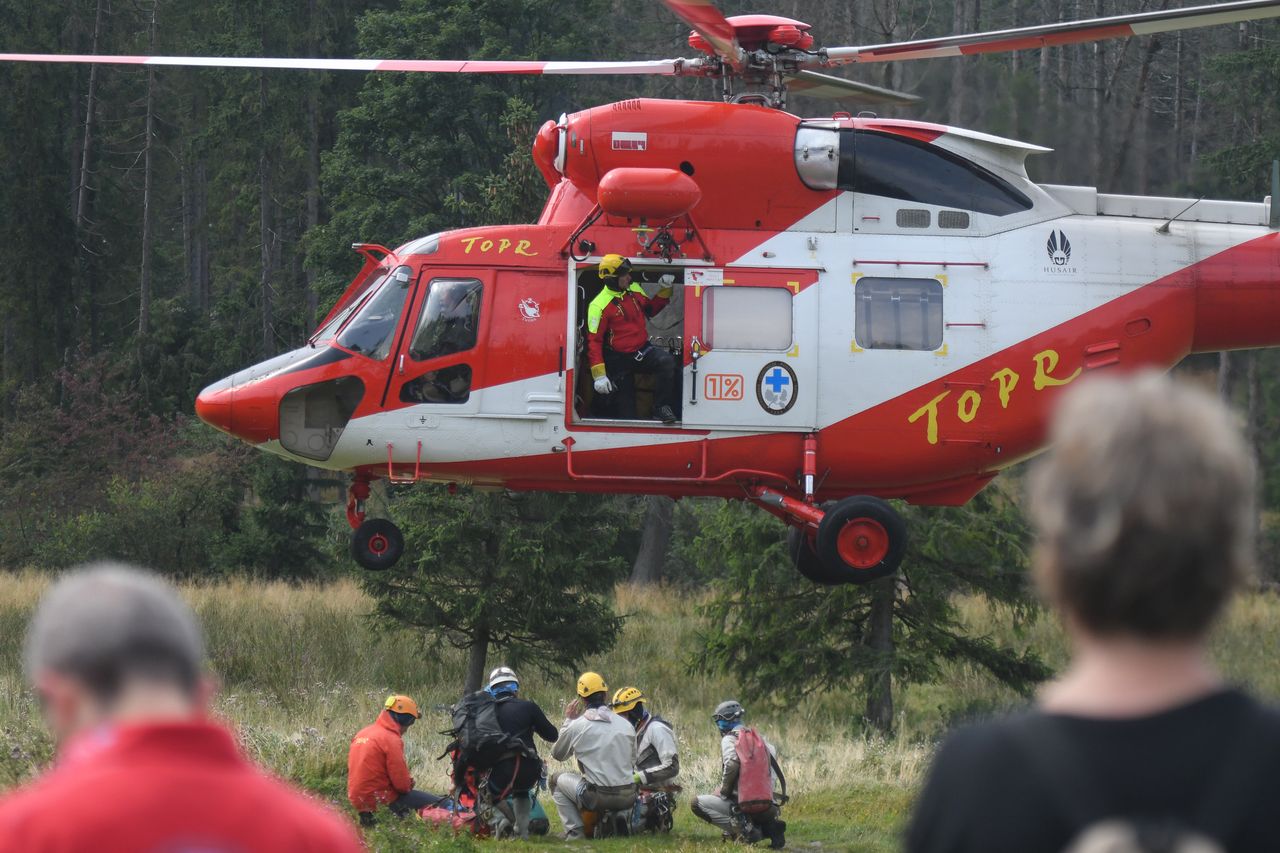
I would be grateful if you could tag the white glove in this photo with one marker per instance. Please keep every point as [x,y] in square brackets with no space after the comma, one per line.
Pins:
[604,386]
[667,280]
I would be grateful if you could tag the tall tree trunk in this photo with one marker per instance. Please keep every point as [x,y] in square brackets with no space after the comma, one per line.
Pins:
[1177,177]
[8,374]
[654,540]
[313,160]
[1097,102]
[956,105]
[1126,142]
[879,683]
[84,262]
[476,657]
[144,278]
[264,223]
[1224,375]
[1015,66]
[1253,415]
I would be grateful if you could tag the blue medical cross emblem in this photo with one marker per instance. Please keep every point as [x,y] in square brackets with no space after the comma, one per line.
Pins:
[777,380]
[776,388]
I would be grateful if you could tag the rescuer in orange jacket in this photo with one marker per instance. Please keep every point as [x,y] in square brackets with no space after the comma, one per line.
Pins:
[376,770]
[117,660]
[618,342]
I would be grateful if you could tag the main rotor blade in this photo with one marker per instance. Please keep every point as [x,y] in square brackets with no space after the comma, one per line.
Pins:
[1050,35]
[661,67]
[814,85]
[710,23]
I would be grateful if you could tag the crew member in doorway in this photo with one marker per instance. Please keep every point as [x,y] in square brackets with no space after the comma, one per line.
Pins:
[618,342]
[376,769]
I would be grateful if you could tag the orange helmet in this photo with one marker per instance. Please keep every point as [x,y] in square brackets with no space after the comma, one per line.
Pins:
[402,705]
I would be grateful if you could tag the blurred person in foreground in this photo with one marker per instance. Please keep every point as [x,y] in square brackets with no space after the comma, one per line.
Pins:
[377,773]
[1144,512]
[117,661]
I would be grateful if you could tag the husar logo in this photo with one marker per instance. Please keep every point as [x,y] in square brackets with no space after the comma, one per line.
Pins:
[1059,249]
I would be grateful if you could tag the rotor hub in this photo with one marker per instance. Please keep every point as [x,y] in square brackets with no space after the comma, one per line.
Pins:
[761,32]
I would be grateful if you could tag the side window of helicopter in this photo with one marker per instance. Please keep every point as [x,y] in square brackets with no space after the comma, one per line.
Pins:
[747,318]
[450,384]
[893,166]
[450,319]
[898,313]
[373,330]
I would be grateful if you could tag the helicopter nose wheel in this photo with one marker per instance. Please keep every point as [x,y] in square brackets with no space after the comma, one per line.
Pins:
[377,544]
[860,539]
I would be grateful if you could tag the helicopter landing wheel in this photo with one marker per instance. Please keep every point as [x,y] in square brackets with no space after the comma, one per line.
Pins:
[377,544]
[806,561]
[861,539]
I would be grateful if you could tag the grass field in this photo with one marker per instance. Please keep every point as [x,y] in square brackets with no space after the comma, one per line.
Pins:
[302,668]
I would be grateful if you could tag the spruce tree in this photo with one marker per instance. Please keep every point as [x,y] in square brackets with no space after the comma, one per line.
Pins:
[531,574]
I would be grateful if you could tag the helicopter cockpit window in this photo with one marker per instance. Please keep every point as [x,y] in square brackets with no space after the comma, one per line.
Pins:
[747,318]
[331,328]
[373,330]
[898,313]
[449,320]
[450,384]
[894,166]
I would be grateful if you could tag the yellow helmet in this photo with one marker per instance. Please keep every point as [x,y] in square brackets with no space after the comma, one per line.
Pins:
[402,705]
[612,266]
[626,699]
[591,683]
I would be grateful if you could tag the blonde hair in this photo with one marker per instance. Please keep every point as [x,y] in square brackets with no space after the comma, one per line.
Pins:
[1144,507]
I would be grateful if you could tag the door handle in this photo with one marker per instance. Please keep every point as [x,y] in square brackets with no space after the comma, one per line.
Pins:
[400,367]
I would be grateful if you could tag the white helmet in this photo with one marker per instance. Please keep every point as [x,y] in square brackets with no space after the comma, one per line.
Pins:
[503,675]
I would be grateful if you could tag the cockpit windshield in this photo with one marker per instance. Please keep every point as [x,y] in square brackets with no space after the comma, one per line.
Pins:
[326,332]
[372,332]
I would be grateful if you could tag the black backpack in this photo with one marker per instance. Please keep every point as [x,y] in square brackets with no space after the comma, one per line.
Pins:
[478,736]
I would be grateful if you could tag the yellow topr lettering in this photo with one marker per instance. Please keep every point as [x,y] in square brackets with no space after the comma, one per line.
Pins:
[470,241]
[967,405]
[522,248]
[1046,363]
[1008,380]
[486,246]
[931,409]
[503,245]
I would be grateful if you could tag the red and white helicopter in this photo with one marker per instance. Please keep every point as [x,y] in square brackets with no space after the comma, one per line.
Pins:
[865,308]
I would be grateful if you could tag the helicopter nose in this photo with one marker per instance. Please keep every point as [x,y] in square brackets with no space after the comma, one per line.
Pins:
[213,406]
[239,412]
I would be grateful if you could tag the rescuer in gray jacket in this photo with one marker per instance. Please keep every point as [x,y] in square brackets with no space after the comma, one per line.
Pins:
[605,746]
[657,756]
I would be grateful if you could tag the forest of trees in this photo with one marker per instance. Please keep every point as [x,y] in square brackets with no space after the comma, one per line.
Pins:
[164,227]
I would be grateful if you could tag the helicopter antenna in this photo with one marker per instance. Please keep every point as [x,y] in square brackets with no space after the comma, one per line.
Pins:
[1164,229]
[1274,223]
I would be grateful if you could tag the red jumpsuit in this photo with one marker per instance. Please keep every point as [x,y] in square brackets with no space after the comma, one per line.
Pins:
[376,769]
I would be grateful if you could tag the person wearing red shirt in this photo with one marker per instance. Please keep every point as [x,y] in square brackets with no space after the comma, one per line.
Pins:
[376,770]
[618,342]
[116,659]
